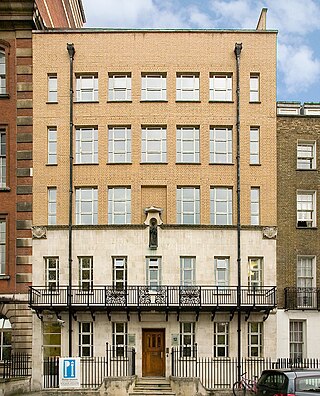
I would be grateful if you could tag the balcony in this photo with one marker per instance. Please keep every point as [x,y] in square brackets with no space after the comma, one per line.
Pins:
[160,298]
[302,298]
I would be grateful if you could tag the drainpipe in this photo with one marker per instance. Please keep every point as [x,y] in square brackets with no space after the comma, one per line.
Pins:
[71,51]
[237,51]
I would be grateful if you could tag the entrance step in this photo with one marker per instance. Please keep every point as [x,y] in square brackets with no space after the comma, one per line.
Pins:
[152,386]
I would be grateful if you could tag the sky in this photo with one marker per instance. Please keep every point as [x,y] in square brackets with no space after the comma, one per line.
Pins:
[297,22]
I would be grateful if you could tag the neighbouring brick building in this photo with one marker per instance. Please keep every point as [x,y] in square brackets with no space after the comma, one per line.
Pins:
[149,230]
[298,244]
[17,20]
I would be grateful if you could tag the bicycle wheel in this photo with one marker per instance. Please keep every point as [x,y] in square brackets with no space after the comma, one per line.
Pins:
[238,389]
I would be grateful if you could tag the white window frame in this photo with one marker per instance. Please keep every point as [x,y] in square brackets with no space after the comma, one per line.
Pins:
[255,272]
[222,271]
[154,144]
[254,146]
[187,270]
[187,339]
[119,205]
[188,145]
[254,87]
[119,338]
[187,87]
[306,155]
[153,276]
[255,206]
[119,272]
[306,270]
[3,158]
[221,145]
[52,88]
[3,72]
[86,145]
[119,87]
[221,87]
[5,339]
[85,272]
[297,339]
[86,339]
[119,144]
[51,333]
[221,339]
[86,87]
[255,332]
[52,134]
[221,196]
[188,205]
[86,196]
[3,250]
[151,91]
[52,272]
[306,209]
[52,205]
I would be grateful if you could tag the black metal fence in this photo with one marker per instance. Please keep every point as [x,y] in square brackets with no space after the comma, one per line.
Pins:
[118,362]
[221,372]
[18,365]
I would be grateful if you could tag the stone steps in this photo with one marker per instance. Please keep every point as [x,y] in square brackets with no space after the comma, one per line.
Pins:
[152,387]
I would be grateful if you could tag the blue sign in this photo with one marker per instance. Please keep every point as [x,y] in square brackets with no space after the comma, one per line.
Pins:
[69,368]
[69,372]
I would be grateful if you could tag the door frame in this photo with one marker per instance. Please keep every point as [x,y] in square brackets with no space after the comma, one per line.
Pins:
[144,333]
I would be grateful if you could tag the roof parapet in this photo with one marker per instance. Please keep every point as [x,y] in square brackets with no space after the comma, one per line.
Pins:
[262,23]
[296,108]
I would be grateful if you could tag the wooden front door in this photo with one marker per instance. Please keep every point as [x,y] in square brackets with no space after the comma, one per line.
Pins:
[153,353]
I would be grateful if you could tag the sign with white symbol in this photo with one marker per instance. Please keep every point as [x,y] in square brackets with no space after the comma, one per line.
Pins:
[69,373]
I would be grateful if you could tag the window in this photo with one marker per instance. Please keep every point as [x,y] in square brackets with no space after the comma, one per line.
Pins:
[255,272]
[221,271]
[154,87]
[255,205]
[85,273]
[296,339]
[154,144]
[254,87]
[220,145]
[87,87]
[306,155]
[187,87]
[87,205]
[188,205]
[119,338]
[119,205]
[87,145]
[52,205]
[119,265]
[221,205]
[305,281]
[85,339]
[153,272]
[3,82]
[51,272]
[119,87]
[119,145]
[2,247]
[255,339]
[306,209]
[52,145]
[221,87]
[221,339]
[5,339]
[52,88]
[3,159]
[254,146]
[187,339]
[187,270]
[188,145]
[51,339]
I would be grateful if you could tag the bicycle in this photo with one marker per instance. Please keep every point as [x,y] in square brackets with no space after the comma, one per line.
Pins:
[244,385]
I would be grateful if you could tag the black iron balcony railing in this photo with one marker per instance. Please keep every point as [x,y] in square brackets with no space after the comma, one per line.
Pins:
[302,298]
[206,298]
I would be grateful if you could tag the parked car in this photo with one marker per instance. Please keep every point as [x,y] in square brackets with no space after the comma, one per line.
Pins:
[294,382]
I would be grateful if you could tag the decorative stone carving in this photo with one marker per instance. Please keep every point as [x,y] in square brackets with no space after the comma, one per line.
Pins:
[39,232]
[153,234]
[153,212]
[270,232]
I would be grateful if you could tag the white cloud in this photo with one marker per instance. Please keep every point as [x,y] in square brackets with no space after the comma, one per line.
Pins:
[199,19]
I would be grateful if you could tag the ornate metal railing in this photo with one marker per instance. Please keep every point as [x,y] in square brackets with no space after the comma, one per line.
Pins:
[144,297]
[302,298]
